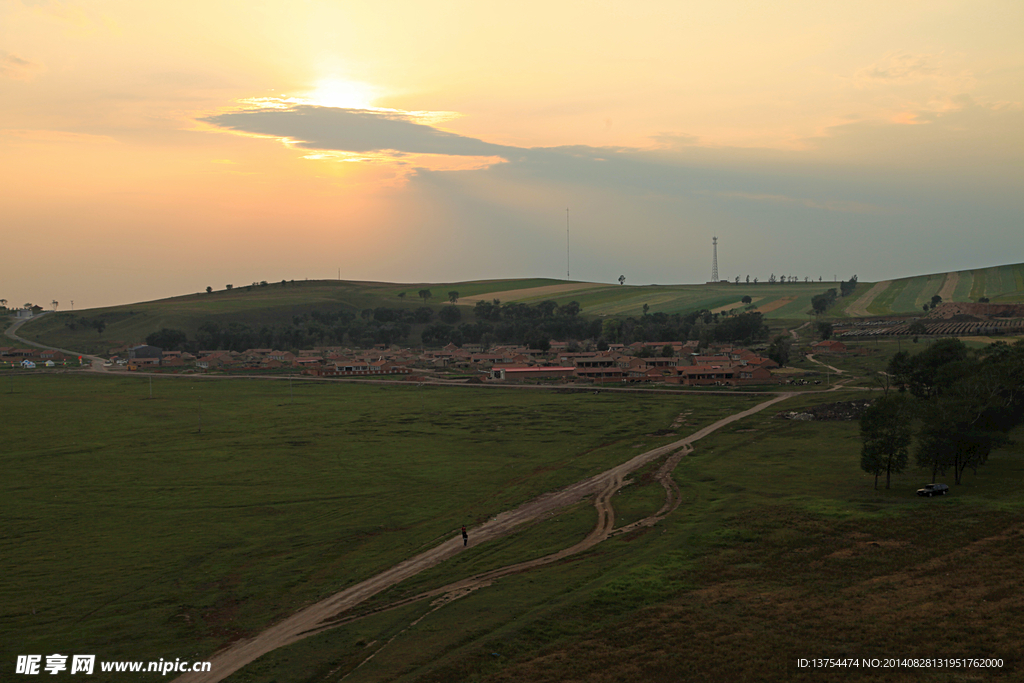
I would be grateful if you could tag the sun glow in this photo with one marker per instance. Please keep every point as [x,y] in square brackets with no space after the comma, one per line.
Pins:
[334,92]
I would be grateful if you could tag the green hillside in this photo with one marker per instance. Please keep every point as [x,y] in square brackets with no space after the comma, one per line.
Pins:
[280,303]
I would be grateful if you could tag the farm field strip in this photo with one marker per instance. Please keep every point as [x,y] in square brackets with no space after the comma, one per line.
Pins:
[882,305]
[964,285]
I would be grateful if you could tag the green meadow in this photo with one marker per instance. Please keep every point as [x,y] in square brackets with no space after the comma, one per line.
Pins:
[780,549]
[139,528]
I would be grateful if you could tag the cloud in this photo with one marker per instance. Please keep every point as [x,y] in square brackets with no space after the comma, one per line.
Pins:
[900,66]
[355,130]
[13,66]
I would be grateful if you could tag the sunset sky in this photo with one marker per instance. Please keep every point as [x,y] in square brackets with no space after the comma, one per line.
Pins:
[152,149]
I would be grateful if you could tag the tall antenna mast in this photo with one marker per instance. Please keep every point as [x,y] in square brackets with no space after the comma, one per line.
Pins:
[566,243]
[714,259]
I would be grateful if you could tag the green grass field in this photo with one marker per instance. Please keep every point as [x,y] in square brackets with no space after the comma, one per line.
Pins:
[131,534]
[781,549]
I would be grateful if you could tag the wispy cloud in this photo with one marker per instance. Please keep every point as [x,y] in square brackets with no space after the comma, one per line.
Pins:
[900,66]
[17,68]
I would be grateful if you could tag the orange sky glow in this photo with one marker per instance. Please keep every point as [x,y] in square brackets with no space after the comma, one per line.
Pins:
[151,150]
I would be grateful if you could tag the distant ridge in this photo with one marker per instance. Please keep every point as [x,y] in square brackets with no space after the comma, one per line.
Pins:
[278,303]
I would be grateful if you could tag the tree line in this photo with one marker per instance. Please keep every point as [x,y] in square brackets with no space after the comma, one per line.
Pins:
[948,405]
[532,325]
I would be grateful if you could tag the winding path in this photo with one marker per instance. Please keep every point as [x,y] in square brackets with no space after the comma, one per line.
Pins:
[332,611]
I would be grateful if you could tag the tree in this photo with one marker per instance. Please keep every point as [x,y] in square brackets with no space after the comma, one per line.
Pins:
[622,279]
[449,314]
[401,295]
[167,339]
[737,279]
[821,302]
[667,351]
[936,300]
[824,329]
[425,294]
[755,280]
[453,297]
[647,307]
[746,300]
[917,327]
[885,428]
[229,287]
[920,374]
[570,310]
[54,303]
[778,350]
[983,300]
[209,290]
[748,279]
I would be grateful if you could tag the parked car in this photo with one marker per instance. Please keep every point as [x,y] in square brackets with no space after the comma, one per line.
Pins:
[933,490]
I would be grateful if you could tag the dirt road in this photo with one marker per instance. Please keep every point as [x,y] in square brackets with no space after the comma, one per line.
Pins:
[332,611]
[97,362]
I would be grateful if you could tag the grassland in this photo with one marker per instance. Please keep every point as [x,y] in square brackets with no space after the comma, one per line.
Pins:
[782,549]
[131,534]
[140,528]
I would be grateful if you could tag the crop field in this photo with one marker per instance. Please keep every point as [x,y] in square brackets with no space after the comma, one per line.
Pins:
[1001,284]
[141,528]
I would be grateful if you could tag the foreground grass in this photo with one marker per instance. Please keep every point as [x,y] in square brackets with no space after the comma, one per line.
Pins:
[781,549]
[140,528]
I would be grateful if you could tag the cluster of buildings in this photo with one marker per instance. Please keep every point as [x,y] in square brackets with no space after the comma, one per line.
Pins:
[11,357]
[645,363]
[650,362]
[636,363]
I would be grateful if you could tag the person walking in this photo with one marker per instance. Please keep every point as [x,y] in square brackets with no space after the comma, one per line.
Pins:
[465,537]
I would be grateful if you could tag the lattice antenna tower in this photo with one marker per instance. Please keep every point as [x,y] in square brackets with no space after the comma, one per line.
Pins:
[714,259]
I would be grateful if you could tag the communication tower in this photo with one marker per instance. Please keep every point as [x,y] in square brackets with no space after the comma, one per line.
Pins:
[714,259]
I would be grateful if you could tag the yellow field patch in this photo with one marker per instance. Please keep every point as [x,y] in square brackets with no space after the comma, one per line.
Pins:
[738,304]
[778,303]
[532,292]
[949,286]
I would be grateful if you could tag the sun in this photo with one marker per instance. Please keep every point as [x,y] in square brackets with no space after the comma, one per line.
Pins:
[335,92]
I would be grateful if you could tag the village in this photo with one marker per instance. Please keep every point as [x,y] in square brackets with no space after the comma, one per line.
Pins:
[674,362]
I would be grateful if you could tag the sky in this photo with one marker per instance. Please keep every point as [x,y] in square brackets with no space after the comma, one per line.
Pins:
[153,149]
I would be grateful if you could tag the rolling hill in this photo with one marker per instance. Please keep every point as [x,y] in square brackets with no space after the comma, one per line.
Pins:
[280,303]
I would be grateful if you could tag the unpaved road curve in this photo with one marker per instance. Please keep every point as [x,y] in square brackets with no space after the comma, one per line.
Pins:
[97,362]
[330,611]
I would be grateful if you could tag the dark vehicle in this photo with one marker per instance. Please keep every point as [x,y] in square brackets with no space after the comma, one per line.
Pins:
[933,490]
